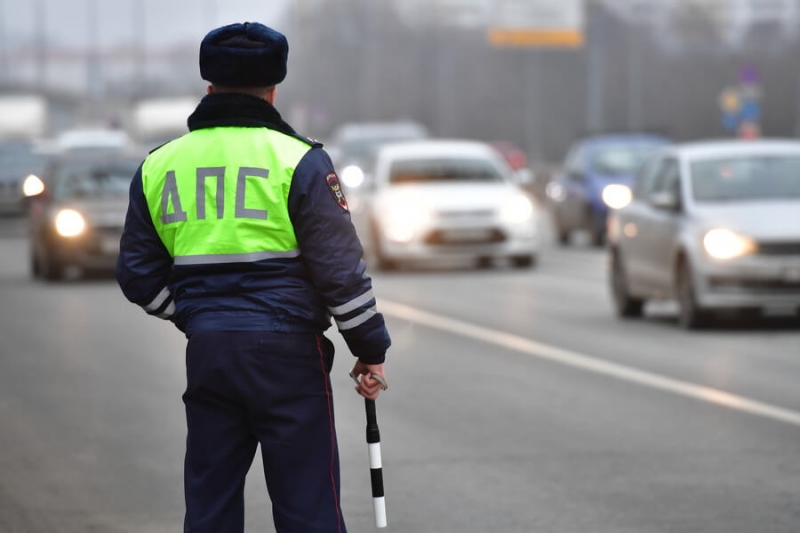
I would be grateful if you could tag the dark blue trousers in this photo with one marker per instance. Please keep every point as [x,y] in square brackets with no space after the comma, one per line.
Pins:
[246,388]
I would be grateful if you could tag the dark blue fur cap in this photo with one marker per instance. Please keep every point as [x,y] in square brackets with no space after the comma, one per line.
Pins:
[244,55]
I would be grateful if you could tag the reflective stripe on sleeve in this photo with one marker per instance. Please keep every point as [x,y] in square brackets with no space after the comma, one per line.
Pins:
[158,301]
[357,320]
[168,312]
[234,258]
[355,303]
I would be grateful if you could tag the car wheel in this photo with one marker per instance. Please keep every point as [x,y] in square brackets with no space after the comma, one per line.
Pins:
[50,267]
[625,305]
[598,237]
[374,252]
[35,266]
[562,233]
[484,262]
[523,261]
[690,314]
[383,263]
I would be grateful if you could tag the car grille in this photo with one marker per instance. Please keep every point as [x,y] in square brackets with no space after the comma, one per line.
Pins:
[753,284]
[10,189]
[104,241]
[465,215]
[445,237]
[779,248]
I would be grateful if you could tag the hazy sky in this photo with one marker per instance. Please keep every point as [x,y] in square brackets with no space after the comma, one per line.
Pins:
[67,22]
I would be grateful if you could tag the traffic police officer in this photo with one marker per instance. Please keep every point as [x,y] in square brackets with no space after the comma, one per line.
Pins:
[239,233]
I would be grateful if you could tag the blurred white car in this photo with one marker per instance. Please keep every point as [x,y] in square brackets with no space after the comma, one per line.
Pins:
[439,199]
[715,225]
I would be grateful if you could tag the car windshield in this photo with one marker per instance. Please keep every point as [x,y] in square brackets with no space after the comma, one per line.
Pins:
[368,146]
[771,177]
[620,159]
[94,179]
[444,170]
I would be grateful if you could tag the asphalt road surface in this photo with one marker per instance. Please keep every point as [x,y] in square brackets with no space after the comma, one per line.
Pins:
[517,404]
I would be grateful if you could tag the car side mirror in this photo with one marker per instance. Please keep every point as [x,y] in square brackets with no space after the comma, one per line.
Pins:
[666,200]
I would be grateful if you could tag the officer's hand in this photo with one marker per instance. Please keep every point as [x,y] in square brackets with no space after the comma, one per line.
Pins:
[369,387]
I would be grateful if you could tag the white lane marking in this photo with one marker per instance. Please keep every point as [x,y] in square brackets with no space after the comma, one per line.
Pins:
[591,364]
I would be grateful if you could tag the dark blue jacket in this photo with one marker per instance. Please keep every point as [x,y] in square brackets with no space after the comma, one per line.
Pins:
[283,295]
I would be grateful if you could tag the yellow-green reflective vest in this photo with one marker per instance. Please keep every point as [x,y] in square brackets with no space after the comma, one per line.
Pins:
[220,195]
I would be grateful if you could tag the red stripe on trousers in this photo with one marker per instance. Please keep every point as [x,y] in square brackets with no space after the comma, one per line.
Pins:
[333,445]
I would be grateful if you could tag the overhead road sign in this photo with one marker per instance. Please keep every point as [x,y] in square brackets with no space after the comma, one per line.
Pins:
[538,23]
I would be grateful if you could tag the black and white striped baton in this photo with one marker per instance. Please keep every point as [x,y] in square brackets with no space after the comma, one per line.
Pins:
[375,465]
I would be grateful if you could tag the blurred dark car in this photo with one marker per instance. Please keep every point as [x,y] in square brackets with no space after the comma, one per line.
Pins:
[76,220]
[597,176]
[18,160]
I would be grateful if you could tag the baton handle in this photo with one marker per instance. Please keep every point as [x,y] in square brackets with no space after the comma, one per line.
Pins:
[373,432]
[375,464]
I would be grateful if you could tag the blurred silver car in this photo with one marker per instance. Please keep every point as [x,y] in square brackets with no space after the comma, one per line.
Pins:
[451,200]
[715,225]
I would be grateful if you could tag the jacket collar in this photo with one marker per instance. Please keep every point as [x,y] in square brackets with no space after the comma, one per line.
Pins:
[237,110]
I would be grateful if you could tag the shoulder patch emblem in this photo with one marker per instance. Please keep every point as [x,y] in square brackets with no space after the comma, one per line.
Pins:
[336,190]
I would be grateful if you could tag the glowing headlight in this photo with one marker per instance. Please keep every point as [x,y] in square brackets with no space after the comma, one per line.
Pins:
[70,223]
[725,244]
[403,219]
[555,191]
[516,210]
[352,176]
[616,196]
[32,185]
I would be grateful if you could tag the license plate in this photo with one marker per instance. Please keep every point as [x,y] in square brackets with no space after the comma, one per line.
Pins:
[467,235]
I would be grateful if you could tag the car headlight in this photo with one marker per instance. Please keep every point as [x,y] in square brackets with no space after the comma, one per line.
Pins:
[69,223]
[32,186]
[725,244]
[516,210]
[403,218]
[616,195]
[555,191]
[352,176]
